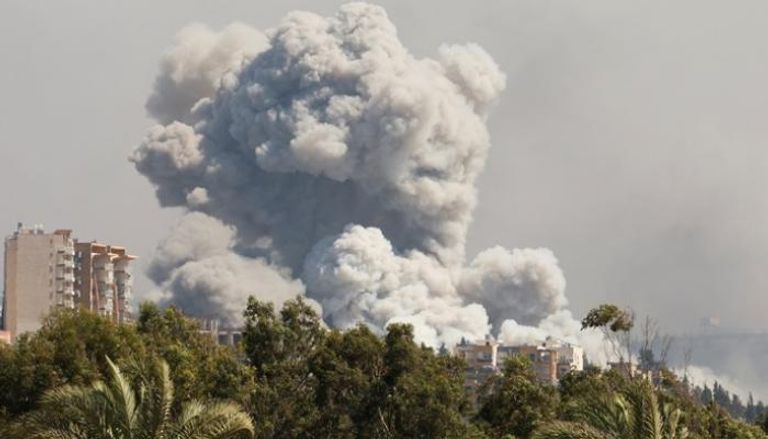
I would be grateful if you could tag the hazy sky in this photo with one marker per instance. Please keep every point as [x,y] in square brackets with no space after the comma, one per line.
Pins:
[631,139]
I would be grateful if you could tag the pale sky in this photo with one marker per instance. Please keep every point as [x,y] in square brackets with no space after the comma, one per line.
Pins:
[631,139]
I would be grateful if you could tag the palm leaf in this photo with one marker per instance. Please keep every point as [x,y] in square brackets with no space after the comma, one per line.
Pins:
[568,430]
[221,420]
[119,409]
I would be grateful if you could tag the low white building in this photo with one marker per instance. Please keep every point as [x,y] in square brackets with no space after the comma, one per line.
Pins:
[570,356]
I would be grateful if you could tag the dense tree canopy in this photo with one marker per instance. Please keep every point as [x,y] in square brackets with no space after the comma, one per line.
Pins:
[515,403]
[295,378]
[121,408]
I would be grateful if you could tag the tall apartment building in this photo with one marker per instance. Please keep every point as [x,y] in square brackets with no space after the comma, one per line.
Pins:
[103,279]
[48,270]
[39,275]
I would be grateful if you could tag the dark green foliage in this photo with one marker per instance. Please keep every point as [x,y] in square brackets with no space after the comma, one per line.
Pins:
[201,367]
[70,348]
[122,408]
[420,395]
[568,430]
[311,382]
[591,384]
[348,368]
[515,403]
[610,316]
[278,349]
[298,379]
[751,412]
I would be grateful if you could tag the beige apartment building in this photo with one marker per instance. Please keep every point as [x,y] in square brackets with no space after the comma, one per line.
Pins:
[48,270]
[39,275]
[550,360]
[544,360]
[103,279]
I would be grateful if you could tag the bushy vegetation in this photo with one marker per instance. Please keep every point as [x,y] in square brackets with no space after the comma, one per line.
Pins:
[294,378]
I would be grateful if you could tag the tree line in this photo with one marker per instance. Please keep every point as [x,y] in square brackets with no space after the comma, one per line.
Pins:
[82,376]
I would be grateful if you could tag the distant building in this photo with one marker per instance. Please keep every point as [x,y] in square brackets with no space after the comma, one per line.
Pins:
[544,360]
[653,372]
[480,354]
[480,358]
[103,279]
[38,276]
[5,337]
[222,335]
[48,270]
[550,360]
[569,356]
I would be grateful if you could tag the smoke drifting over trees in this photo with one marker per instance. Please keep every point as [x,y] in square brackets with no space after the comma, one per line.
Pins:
[321,157]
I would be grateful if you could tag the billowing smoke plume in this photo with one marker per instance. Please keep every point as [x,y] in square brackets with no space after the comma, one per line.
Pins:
[358,276]
[193,69]
[198,269]
[327,153]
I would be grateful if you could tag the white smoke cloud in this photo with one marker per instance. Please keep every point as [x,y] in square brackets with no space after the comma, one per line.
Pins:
[357,276]
[335,156]
[525,283]
[560,325]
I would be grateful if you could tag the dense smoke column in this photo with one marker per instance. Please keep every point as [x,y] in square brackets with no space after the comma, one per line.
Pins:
[325,154]
[334,123]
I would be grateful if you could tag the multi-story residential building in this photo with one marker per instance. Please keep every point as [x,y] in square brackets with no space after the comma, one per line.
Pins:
[48,270]
[480,358]
[550,360]
[225,336]
[103,279]
[544,360]
[569,356]
[39,275]
[480,354]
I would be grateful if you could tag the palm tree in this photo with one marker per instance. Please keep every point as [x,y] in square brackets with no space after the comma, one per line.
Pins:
[633,414]
[116,409]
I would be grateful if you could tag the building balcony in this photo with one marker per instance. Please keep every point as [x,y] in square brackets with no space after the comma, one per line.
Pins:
[124,294]
[65,277]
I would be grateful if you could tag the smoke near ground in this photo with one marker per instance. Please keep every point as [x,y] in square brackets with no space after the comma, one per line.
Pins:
[198,269]
[322,156]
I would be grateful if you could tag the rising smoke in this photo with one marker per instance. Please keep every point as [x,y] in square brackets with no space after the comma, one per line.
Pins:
[322,157]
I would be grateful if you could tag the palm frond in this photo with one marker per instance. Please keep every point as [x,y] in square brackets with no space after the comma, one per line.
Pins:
[119,409]
[568,430]
[221,420]
[122,401]
[156,395]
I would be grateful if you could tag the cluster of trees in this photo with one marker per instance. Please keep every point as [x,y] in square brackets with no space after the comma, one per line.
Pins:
[617,325]
[291,377]
[751,412]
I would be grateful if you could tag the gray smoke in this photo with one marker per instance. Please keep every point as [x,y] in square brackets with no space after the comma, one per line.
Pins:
[332,155]
[198,269]
[192,69]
